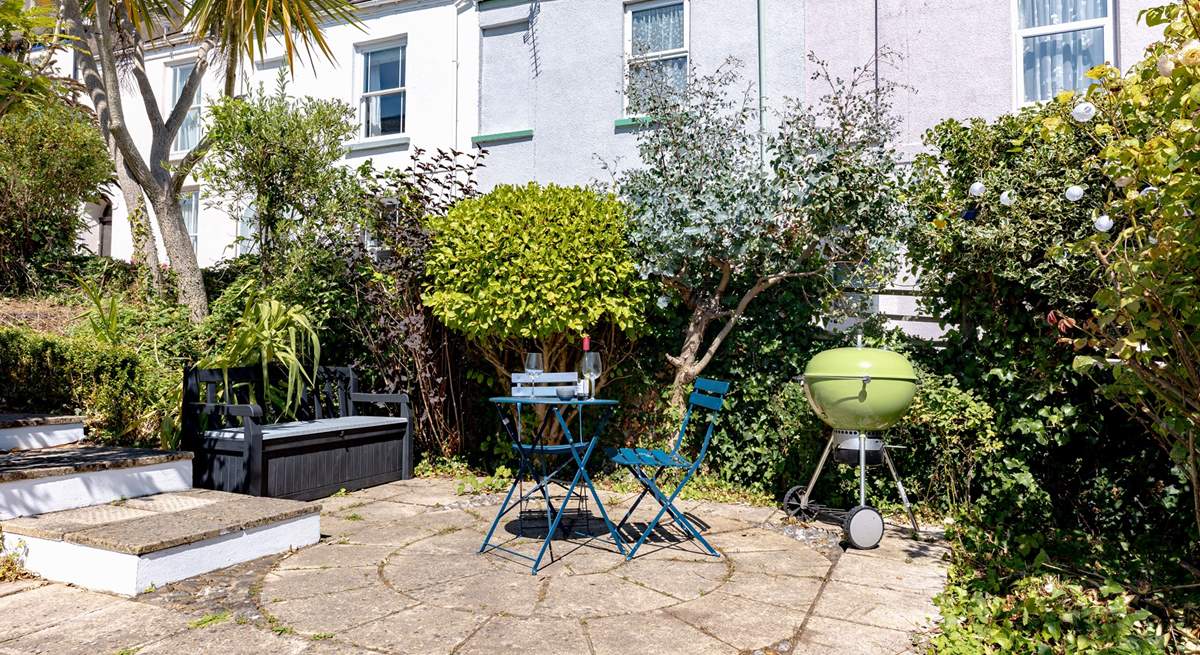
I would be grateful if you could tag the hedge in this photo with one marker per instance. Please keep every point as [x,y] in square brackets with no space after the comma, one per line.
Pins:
[121,395]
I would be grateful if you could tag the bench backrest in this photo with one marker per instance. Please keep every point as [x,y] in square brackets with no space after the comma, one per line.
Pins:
[327,397]
[546,385]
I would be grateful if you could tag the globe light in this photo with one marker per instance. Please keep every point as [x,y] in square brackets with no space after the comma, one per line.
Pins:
[1102,223]
[1074,193]
[1007,199]
[977,189]
[1084,112]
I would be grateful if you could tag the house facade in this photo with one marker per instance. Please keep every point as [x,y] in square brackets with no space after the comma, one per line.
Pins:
[539,83]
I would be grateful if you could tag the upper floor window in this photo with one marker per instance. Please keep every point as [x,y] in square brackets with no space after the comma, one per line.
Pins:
[189,206]
[189,132]
[1058,41]
[656,42]
[383,93]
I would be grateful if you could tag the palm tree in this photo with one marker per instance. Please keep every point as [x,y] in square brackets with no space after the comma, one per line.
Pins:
[111,36]
[243,26]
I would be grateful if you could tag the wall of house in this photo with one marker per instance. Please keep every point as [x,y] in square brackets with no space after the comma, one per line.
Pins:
[441,48]
[557,67]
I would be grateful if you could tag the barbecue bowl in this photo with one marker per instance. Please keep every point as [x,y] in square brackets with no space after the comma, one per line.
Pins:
[864,389]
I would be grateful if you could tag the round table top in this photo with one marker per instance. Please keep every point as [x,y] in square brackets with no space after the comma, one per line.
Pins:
[551,400]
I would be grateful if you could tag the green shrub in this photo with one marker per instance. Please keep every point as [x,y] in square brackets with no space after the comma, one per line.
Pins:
[1043,614]
[123,396]
[533,264]
[52,160]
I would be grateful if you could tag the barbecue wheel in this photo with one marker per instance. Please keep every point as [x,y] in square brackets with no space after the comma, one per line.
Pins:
[791,505]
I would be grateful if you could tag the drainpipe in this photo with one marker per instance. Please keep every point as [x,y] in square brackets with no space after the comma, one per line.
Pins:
[762,129]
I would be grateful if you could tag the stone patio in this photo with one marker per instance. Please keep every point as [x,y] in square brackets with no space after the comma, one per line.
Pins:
[397,572]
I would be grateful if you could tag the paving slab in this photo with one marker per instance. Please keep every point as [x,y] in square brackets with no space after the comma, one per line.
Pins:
[829,636]
[875,606]
[488,592]
[382,511]
[334,555]
[55,525]
[41,607]
[337,612]
[860,567]
[602,594]
[66,460]
[417,630]
[307,583]
[528,636]
[783,591]
[655,632]
[119,625]
[227,638]
[679,579]
[741,623]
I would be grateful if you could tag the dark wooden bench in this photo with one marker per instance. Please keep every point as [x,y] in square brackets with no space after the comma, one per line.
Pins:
[331,446]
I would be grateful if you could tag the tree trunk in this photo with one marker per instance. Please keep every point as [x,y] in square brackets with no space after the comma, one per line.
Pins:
[686,369]
[189,280]
[145,248]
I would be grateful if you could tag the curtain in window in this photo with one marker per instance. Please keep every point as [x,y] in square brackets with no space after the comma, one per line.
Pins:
[657,29]
[1058,62]
[189,206]
[1036,13]
[189,132]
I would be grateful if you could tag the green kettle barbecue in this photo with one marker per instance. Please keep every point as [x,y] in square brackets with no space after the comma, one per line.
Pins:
[859,392]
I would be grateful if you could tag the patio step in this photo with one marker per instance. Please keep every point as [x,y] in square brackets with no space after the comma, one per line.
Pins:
[53,479]
[128,547]
[29,431]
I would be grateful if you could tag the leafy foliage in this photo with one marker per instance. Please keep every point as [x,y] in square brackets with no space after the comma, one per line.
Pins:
[544,264]
[1145,316]
[1044,615]
[52,160]
[24,82]
[404,344]
[270,332]
[272,157]
[123,396]
[720,214]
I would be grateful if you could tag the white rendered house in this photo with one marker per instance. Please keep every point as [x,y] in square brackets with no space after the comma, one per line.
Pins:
[410,74]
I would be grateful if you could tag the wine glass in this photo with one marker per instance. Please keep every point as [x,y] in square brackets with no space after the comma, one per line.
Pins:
[592,368]
[533,367]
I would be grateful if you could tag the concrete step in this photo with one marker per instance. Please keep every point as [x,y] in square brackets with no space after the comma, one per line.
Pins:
[54,479]
[29,431]
[128,547]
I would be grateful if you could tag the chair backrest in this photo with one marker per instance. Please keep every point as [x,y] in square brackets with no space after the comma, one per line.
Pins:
[546,386]
[709,395]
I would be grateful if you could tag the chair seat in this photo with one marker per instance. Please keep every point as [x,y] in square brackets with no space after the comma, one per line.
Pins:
[648,457]
[552,449]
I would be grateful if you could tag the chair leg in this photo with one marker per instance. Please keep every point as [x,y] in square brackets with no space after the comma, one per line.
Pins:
[500,514]
[668,504]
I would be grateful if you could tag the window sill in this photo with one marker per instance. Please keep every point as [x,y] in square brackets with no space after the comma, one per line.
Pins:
[499,137]
[393,141]
[632,121]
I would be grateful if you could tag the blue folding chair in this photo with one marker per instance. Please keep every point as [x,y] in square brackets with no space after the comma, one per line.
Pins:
[708,395]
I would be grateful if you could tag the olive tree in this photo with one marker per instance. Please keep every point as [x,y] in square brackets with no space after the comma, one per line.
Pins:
[721,213]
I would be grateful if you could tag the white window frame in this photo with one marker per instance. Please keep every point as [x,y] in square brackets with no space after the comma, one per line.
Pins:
[194,236]
[631,59]
[361,50]
[1020,34]
[197,103]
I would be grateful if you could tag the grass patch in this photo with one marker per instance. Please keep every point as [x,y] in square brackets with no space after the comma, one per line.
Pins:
[354,516]
[209,620]
[321,636]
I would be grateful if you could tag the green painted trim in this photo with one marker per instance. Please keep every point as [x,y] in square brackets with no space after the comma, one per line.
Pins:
[502,136]
[632,121]
[497,4]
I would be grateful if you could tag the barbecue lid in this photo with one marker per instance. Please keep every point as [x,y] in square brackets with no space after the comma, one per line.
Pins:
[857,362]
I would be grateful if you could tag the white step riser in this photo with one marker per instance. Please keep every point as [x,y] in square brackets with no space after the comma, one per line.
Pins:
[40,436]
[129,575]
[55,493]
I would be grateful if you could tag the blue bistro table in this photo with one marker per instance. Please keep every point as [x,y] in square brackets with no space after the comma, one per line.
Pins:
[574,452]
